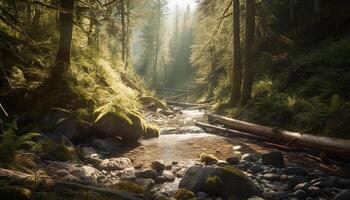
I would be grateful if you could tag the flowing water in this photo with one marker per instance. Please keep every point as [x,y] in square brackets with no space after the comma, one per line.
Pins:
[183,142]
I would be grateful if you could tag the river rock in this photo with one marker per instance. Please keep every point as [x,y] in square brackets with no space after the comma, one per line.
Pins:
[226,182]
[169,176]
[250,157]
[343,196]
[208,159]
[147,174]
[300,194]
[158,166]
[232,160]
[272,177]
[109,145]
[301,186]
[275,195]
[274,158]
[115,164]
[145,182]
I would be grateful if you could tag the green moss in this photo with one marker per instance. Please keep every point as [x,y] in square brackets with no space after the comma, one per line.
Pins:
[130,187]
[153,103]
[182,194]
[213,184]
[152,131]
[62,151]
[208,159]
[233,170]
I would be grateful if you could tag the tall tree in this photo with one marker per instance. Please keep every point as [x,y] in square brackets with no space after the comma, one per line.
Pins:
[236,68]
[123,24]
[155,63]
[291,10]
[317,5]
[249,51]
[66,30]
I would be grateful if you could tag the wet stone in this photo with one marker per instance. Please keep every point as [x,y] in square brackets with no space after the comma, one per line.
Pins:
[250,157]
[158,166]
[300,194]
[343,196]
[232,160]
[147,173]
[272,177]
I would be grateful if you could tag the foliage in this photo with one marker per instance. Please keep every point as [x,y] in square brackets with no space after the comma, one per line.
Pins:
[12,144]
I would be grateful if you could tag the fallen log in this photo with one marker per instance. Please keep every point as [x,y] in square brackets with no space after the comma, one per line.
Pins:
[331,146]
[265,141]
[186,105]
[220,130]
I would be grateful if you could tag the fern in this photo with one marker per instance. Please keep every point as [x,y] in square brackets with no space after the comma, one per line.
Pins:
[11,144]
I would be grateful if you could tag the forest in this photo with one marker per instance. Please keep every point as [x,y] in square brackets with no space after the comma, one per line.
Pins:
[174,99]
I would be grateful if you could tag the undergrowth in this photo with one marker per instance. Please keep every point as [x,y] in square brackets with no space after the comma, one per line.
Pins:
[310,95]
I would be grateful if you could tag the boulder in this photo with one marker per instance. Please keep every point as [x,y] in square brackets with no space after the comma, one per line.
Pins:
[128,127]
[63,124]
[109,145]
[113,164]
[226,182]
[274,158]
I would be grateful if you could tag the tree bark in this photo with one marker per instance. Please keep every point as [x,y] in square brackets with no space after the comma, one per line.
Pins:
[66,30]
[332,146]
[128,34]
[249,51]
[317,5]
[122,11]
[154,79]
[236,68]
[291,10]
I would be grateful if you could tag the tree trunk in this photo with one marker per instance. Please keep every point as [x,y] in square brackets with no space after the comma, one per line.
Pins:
[236,68]
[317,5]
[249,51]
[128,34]
[122,11]
[154,79]
[331,146]
[291,10]
[66,30]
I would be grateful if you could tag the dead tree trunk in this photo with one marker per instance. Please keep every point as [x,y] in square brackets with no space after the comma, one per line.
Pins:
[331,146]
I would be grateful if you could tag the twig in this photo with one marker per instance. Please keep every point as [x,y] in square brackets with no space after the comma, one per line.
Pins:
[3,110]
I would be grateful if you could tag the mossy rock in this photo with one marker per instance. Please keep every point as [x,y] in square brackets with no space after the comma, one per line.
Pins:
[62,151]
[130,187]
[183,194]
[208,159]
[225,182]
[15,193]
[152,131]
[130,127]
[153,103]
